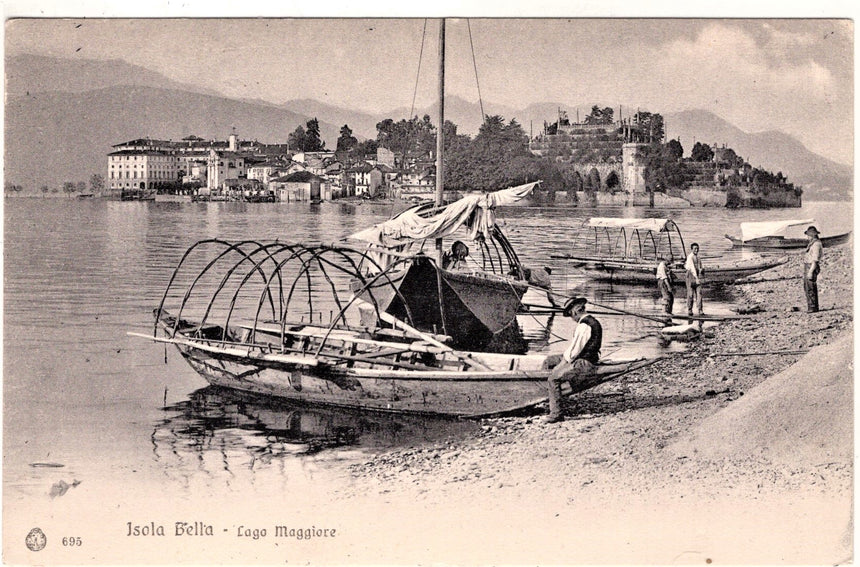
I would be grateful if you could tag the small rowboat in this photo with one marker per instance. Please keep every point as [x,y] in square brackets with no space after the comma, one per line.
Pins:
[628,251]
[774,235]
[251,319]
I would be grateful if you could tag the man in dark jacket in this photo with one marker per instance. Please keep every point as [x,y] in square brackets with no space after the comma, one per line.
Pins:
[579,361]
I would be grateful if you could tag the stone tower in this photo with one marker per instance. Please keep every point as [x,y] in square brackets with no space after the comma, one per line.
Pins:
[633,164]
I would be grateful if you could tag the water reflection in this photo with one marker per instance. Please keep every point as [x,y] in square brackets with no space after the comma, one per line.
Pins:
[232,429]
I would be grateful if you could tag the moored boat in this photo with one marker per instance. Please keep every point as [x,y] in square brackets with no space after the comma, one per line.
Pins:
[361,370]
[251,316]
[777,235]
[628,251]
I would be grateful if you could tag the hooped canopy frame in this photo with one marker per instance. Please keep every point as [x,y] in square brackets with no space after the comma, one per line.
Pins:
[628,238]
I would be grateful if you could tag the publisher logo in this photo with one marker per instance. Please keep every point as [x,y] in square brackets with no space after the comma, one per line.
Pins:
[36,540]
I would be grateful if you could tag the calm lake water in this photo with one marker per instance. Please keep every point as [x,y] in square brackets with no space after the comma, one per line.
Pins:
[80,393]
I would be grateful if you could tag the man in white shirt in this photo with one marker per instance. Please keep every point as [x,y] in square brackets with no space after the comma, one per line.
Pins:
[664,283]
[811,268]
[693,277]
[579,360]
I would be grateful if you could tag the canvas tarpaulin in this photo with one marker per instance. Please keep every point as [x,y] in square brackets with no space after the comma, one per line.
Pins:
[474,212]
[751,230]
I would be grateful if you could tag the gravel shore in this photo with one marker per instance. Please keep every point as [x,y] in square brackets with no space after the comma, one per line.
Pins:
[734,451]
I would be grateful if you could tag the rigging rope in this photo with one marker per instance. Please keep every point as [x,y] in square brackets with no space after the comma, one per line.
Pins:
[475,65]
[418,74]
[412,108]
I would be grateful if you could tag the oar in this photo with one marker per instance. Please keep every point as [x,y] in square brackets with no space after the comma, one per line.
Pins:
[392,320]
[643,316]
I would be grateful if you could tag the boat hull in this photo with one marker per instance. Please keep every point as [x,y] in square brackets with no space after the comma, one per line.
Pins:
[782,243]
[451,394]
[459,398]
[635,273]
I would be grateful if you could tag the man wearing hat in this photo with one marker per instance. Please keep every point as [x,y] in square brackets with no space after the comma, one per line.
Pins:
[579,360]
[811,268]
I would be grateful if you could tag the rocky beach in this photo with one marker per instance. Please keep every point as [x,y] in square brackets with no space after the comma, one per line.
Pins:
[738,450]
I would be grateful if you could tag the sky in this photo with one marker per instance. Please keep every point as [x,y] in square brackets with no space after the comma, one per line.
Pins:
[794,75]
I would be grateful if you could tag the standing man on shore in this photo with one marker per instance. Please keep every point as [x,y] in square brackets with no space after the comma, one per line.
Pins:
[693,277]
[579,360]
[664,283]
[811,268]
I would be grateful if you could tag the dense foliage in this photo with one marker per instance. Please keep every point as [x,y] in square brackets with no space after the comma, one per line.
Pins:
[497,157]
[600,115]
[412,138]
[701,152]
[663,166]
[651,127]
[307,139]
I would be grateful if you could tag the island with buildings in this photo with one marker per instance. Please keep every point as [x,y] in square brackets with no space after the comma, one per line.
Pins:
[598,161]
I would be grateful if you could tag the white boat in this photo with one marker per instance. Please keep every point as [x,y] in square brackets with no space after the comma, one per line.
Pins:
[781,235]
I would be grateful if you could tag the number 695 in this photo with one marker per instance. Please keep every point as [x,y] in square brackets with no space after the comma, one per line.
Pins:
[72,542]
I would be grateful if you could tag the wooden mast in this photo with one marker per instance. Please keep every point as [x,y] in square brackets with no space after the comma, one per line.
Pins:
[440,141]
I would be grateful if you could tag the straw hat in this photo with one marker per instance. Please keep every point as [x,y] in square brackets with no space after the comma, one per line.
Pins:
[811,231]
[571,303]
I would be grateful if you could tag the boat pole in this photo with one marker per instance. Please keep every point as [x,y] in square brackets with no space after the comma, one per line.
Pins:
[440,168]
[440,139]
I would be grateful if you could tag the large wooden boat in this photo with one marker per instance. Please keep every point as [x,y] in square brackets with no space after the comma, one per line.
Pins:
[369,370]
[252,316]
[628,251]
[778,235]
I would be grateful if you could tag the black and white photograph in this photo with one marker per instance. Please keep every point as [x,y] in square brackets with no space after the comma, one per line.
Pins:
[455,288]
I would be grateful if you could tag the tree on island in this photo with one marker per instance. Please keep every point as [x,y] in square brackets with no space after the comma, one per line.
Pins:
[498,157]
[600,115]
[306,139]
[663,168]
[651,126]
[313,142]
[97,183]
[674,149]
[346,141]
[701,152]
[365,148]
[412,139]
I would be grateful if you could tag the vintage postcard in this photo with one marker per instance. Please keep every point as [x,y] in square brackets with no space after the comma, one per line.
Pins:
[404,290]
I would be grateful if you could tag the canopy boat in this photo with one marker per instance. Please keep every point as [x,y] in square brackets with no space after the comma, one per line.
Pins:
[251,316]
[623,250]
[474,297]
[775,235]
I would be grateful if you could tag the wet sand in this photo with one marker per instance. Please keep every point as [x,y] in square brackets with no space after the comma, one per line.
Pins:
[722,454]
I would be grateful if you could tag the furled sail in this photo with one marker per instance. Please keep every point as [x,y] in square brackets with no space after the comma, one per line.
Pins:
[474,212]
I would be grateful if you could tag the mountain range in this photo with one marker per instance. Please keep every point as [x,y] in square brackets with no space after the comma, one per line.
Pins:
[63,116]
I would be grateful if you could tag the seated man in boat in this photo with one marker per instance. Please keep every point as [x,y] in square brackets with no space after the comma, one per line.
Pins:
[579,362]
[456,258]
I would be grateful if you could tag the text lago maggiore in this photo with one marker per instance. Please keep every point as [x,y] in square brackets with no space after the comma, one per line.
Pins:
[204,529]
